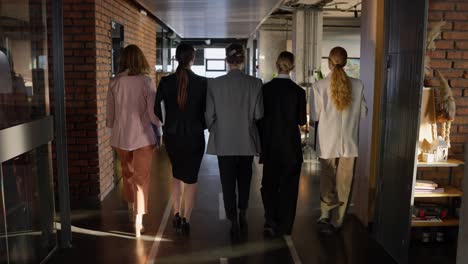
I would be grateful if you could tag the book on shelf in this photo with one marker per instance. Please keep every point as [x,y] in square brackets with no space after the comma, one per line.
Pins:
[424,188]
[421,183]
[426,219]
[438,190]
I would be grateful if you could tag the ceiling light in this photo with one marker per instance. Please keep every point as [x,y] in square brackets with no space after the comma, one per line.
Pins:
[143,12]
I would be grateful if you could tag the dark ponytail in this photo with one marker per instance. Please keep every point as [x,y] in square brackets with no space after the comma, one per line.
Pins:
[184,55]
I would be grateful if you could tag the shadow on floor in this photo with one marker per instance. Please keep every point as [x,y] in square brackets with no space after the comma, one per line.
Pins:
[105,235]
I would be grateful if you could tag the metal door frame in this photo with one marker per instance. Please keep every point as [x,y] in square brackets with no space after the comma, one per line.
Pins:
[20,139]
[397,248]
[462,254]
[65,239]
[25,137]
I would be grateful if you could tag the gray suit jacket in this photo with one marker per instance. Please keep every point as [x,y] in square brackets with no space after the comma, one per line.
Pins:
[234,104]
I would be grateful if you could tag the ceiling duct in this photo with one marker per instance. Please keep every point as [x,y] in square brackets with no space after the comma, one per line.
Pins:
[305,3]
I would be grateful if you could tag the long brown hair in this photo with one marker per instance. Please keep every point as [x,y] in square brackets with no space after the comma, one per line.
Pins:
[185,53]
[133,60]
[341,90]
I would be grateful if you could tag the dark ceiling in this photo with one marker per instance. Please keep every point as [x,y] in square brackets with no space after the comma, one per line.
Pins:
[211,18]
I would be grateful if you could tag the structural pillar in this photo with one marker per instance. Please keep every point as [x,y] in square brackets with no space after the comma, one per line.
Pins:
[372,70]
[272,41]
[307,44]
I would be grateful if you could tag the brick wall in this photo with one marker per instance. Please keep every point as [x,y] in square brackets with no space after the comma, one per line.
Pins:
[80,61]
[87,26]
[451,59]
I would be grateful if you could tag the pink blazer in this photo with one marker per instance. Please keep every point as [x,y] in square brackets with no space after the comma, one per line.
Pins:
[130,104]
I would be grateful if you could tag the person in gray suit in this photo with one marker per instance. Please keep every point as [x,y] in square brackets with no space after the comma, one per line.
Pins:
[234,104]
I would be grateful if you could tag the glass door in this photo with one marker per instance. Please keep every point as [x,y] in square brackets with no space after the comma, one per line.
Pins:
[27,233]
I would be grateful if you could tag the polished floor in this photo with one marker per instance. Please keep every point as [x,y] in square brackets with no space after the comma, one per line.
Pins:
[105,236]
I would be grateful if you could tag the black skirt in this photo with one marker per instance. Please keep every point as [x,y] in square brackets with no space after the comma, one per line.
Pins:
[186,154]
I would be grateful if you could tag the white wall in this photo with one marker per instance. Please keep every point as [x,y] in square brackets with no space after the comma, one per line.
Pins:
[348,38]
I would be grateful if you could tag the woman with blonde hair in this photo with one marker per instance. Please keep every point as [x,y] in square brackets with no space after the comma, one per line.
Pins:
[284,111]
[130,103]
[338,104]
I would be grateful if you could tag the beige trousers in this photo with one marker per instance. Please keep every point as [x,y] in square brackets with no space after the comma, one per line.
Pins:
[136,168]
[335,187]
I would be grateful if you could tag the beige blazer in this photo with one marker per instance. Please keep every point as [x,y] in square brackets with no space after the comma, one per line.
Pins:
[338,131]
[130,104]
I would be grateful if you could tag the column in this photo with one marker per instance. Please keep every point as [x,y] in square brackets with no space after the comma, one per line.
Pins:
[307,43]
[272,40]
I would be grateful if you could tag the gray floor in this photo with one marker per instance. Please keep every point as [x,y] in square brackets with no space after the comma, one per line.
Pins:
[104,236]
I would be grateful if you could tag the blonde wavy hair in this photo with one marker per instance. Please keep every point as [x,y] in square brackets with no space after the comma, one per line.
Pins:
[340,85]
[133,60]
[285,62]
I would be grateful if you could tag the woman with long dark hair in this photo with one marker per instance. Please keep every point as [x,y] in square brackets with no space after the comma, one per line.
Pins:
[180,103]
[338,104]
[130,100]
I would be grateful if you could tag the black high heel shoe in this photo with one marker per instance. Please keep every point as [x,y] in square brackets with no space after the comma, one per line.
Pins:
[185,227]
[177,222]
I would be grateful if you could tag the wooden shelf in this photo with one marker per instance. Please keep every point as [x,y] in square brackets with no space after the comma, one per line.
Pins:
[449,163]
[445,222]
[449,192]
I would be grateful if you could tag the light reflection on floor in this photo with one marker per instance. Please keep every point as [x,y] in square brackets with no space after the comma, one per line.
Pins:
[119,234]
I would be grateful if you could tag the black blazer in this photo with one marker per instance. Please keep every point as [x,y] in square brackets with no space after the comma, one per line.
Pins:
[190,121]
[285,110]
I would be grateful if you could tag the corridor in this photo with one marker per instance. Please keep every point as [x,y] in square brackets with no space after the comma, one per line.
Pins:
[106,236]
[60,185]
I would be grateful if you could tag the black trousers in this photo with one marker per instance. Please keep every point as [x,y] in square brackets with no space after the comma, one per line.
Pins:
[235,171]
[280,186]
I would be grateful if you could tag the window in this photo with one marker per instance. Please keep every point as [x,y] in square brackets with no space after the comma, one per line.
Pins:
[215,65]
[117,35]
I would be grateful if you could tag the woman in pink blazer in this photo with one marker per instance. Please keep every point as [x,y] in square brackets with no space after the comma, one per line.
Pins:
[130,103]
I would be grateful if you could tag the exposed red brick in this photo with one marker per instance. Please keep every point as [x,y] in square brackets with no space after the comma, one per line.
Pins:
[429,75]
[84,7]
[435,16]
[459,25]
[462,111]
[462,6]
[461,45]
[437,54]
[463,16]
[462,120]
[86,37]
[452,73]
[455,35]
[444,44]
[441,64]
[84,67]
[458,138]
[459,83]
[441,6]
[457,92]
[455,55]
[432,83]
[460,65]
[74,14]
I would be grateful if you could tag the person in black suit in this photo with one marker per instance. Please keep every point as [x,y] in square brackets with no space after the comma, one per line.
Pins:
[180,103]
[285,111]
